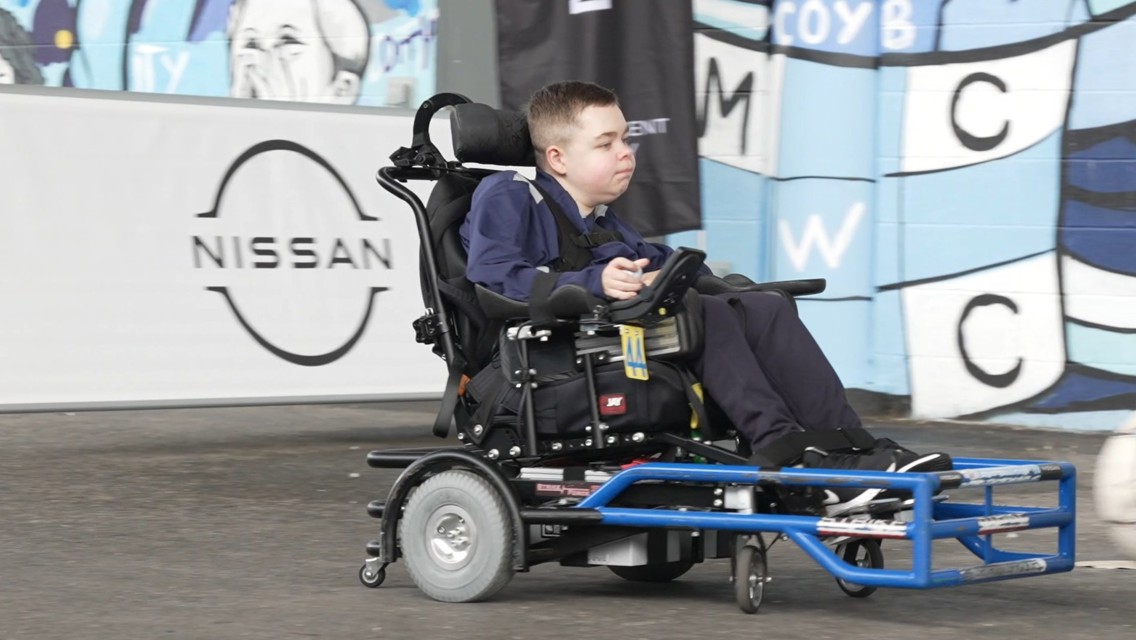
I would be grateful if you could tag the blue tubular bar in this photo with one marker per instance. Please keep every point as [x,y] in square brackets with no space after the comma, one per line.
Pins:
[1037,565]
[731,474]
[986,525]
[860,575]
[944,510]
[1067,535]
[982,548]
[971,524]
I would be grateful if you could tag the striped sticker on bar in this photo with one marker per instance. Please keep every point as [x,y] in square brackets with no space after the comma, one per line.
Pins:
[1003,523]
[863,528]
[1003,569]
[1000,475]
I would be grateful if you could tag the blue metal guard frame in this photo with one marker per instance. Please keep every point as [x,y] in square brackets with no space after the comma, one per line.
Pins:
[971,524]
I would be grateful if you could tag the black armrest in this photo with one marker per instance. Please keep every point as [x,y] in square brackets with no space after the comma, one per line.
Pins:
[653,303]
[499,307]
[659,300]
[738,283]
[568,302]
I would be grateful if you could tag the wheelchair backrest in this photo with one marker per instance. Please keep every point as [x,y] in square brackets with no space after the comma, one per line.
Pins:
[485,136]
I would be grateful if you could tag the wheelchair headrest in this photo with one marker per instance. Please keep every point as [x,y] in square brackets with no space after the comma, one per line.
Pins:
[485,135]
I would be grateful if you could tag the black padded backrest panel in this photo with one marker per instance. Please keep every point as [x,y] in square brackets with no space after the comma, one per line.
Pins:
[446,209]
[485,135]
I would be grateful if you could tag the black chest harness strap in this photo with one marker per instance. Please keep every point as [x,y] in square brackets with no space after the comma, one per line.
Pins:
[575,247]
[575,254]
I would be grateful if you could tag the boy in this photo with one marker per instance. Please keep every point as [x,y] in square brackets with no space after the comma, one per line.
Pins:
[759,362]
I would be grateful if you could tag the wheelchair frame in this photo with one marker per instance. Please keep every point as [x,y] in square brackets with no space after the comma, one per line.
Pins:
[709,504]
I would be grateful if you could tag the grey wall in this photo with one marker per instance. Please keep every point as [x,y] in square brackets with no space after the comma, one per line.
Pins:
[467,49]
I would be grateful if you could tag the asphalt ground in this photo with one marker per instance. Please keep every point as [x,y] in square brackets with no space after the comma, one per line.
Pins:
[250,523]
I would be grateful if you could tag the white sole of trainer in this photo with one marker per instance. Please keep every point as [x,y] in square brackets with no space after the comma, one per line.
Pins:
[860,500]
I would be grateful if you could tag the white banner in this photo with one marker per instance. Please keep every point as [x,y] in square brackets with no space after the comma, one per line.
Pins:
[161,253]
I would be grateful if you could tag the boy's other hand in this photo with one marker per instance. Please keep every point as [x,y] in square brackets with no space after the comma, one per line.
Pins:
[622,278]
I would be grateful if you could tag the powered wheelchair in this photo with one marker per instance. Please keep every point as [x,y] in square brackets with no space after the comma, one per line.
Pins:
[551,465]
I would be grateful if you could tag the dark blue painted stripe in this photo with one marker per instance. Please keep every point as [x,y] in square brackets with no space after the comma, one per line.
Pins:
[1108,248]
[1082,388]
[1085,215]
[1109,166]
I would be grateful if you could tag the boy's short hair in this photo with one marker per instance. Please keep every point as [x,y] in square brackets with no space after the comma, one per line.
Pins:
[552,111]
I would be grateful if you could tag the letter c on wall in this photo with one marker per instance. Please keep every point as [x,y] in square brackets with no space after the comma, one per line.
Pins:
[998,380]
[969,140]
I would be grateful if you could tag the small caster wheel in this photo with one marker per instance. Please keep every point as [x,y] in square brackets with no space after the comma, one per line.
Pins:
[749,577]
[372,578]
[860,553]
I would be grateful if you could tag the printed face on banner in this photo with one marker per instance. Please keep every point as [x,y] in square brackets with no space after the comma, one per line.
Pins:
[297,50]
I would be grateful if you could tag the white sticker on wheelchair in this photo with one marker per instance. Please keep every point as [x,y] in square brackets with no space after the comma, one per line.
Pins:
[861,527]
[1003,523]
[991,571]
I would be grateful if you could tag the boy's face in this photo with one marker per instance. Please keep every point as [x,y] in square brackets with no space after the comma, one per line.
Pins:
[596,162]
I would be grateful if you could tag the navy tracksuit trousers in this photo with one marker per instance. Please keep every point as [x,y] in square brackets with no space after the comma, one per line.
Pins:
[763,368]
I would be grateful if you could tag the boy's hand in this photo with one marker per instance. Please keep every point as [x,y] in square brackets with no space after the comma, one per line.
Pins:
[622,278]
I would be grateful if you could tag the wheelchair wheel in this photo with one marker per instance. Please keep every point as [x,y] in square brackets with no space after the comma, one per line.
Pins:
[662,572]
[456,538]
[372,578]
[860,553]
[749,577]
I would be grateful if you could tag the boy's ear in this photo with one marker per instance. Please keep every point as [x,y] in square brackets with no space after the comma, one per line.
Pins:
[554,158]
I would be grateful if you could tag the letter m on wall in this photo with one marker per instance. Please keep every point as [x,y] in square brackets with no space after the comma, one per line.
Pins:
[738,96]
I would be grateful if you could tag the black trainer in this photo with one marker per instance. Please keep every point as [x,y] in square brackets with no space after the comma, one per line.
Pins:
[889,458]
[908,460]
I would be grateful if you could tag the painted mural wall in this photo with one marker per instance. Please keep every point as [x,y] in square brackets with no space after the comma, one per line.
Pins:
[964,174]
[365,52]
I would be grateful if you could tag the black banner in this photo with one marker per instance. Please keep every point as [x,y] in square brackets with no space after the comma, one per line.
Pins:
[644,51]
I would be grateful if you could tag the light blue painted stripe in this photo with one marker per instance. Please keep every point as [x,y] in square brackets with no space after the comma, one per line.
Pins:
[976,24]
[744,18]
[1101,349]
[1104,87]
[889,345]
[1071,421]
[833,324]
[963,219]
[822,136]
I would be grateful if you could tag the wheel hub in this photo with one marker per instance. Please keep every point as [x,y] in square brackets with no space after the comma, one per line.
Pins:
[451,536]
